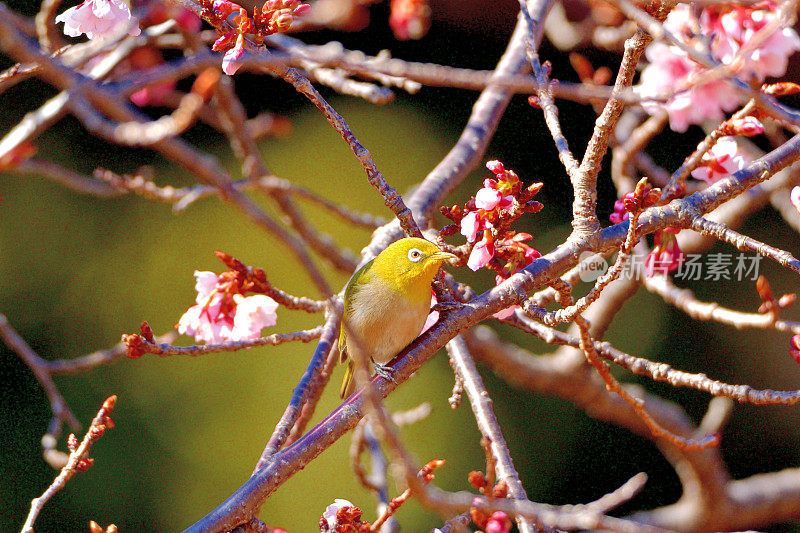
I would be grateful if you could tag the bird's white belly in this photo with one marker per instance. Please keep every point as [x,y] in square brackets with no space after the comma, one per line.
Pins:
[390,326]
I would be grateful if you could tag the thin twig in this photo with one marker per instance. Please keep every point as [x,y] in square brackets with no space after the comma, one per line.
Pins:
[39,368]
[481,403]
[138,346]
[78,460]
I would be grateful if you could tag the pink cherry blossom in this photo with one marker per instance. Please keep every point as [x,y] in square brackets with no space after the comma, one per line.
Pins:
[487,198]
[409,19]
[470,226]
[232,59]
[99,19]
[205,284]
[670,69]
[727,31]
[153,95]
[188,21]
[724,158]
[794,197]
[481,254]
[738,25]
[220,316]
[253,313]
[666,256]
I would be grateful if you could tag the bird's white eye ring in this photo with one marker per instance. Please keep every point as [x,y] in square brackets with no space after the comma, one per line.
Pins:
[414,255]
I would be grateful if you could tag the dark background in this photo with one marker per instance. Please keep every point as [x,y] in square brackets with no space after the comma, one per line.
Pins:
[77,272]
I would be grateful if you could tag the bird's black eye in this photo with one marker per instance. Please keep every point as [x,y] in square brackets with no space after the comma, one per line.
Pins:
[414,255]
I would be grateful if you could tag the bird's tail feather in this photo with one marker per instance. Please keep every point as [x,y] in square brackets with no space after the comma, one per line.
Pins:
[348,383]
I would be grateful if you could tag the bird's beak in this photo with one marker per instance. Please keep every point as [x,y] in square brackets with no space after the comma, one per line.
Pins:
[443,256]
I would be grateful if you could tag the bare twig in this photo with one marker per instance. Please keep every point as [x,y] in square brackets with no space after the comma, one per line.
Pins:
[481,404]
[138,345]
[78,460]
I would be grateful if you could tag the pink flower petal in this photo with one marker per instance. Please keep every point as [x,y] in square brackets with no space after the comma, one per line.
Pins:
[470,226]
[99,19]
[487,199]
[231,61]
[481,254]
[253,313]
[205,284]
[330,512]
[794,197]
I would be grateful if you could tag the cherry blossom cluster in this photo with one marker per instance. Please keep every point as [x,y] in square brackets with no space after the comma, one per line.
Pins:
[751,40]
[498,521]
[343,517]
[485,220]
[275,16]
[666,255]
[99,19]
[722,160]
[222,311]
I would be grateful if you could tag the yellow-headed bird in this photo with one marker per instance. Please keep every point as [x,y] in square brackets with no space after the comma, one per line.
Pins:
[386,303]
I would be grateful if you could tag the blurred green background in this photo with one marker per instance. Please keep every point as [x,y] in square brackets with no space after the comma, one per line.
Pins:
[77,272]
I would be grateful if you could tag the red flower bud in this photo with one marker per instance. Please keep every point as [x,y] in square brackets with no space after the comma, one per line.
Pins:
[780,89]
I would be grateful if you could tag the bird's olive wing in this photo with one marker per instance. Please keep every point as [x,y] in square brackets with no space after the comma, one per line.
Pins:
[357,280]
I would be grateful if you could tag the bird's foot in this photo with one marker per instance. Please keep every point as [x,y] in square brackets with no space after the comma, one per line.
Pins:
[384,371]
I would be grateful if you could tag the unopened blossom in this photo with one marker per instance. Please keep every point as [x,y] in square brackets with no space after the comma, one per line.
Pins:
[470,226]
[724,158]
[481,254]
[725,31]
[620,214]
[529,255]
[794,197]
[220,316]
[498,523]
[794,348]
[666,256]
[490,196]
[99,19]
[747,126]
[410,19]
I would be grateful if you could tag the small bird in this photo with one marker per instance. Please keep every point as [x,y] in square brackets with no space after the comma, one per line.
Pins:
[386,303]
